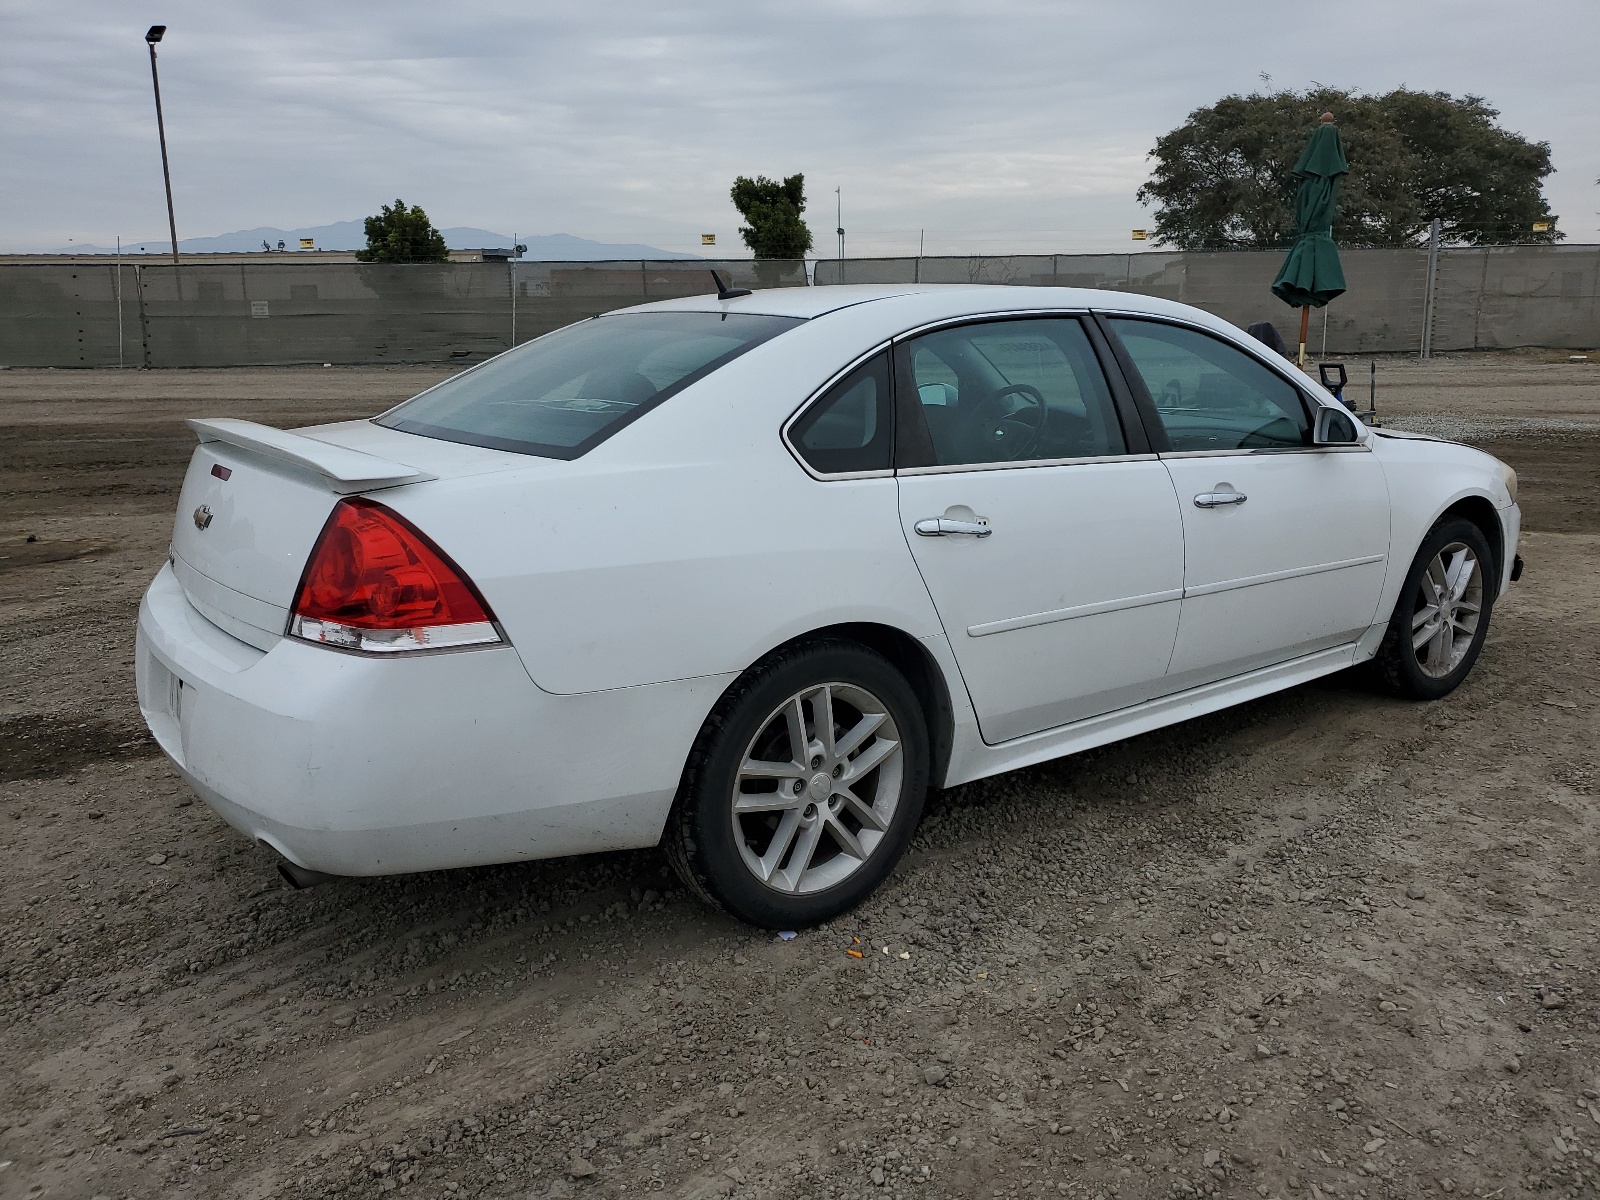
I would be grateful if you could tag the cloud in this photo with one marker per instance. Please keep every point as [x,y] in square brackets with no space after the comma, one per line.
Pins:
[626,121]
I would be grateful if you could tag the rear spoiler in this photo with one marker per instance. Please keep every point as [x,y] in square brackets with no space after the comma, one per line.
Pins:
[344,471]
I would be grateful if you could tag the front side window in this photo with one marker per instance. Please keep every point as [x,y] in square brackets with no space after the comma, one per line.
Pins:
[1008,391]
[563,394]
[1210,395]
[850,426]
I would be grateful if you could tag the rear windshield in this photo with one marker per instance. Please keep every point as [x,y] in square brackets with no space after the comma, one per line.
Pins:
[561,395]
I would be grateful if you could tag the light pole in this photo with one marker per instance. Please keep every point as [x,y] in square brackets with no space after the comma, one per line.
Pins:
[151,37]
[838,196]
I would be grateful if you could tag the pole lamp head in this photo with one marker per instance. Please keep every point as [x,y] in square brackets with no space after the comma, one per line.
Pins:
[155,33]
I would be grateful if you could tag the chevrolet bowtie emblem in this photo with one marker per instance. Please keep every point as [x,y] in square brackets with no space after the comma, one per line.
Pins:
[202,517]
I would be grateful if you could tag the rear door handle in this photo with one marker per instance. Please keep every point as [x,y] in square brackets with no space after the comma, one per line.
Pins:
[1217,499]
[949,527]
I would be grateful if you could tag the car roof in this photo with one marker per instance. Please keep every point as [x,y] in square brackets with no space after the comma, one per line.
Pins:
[947,299]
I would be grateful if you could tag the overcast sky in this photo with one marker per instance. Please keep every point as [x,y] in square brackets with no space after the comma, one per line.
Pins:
[1005,125]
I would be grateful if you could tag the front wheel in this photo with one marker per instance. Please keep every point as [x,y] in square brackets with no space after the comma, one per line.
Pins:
[1442,615]
[804,787]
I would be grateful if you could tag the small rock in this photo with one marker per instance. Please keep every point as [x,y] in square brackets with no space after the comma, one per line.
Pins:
[735,1174]
[155,860]
[933,1074]
[877,1176]
[1513,1065]
[1374,1145]
[1219,939]
[95,814]
[1212,1157]
[1388,1006]
[835,1022]
[1552,999]
[1417,892]
[580,1168]
[724,1089]
[343,1022]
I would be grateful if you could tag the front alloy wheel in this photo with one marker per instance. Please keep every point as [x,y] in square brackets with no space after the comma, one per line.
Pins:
[804,787]
[1448,604]
[1442,615]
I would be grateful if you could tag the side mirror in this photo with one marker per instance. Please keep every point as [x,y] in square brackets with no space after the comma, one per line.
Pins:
[1333,428]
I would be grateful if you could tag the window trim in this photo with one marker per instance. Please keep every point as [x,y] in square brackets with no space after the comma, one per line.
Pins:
[1135,438]
[1346,448]
[816,396]
[1309,402]
[1029,464]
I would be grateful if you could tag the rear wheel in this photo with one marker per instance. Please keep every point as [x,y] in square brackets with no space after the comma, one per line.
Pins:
[1442,616]
[804,787]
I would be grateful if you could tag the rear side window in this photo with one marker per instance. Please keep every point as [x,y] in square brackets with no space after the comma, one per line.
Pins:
[850,426]
[561,395]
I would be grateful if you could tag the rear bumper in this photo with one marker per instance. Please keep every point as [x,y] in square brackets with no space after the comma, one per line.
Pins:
[361,766]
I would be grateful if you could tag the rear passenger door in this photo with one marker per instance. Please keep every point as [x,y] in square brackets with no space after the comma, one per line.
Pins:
[1046,531]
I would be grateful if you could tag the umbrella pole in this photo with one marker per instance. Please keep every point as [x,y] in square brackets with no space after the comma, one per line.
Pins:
[1305,325]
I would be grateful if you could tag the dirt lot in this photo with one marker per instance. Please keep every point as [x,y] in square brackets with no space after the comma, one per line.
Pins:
[1328,944]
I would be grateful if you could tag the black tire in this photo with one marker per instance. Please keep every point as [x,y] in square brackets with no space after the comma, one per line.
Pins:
[1400,665]
[710,853]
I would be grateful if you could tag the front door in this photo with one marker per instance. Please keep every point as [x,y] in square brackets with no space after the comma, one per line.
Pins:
[1053,555]
[1286,543]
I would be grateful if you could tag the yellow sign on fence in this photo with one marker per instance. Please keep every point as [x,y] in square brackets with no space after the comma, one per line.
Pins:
[1140,235]
[1541,226]
[708,239]
[308,243]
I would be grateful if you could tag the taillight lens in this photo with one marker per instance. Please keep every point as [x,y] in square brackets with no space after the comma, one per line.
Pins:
[376,583]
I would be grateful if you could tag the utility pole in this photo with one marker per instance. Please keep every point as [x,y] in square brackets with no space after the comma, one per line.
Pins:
[151,37]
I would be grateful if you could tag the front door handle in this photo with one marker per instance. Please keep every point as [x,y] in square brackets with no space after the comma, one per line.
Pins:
[950,527]
[1217,499]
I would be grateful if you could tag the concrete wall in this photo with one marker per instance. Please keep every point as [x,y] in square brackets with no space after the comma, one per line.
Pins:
[265,313]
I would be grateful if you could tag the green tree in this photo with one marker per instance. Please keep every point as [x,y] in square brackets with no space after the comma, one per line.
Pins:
[773,228]
[1222,179]
[402,235]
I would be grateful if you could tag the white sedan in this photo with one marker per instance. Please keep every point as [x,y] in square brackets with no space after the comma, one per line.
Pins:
[746,575]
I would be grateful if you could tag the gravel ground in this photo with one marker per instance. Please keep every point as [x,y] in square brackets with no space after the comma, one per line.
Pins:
[1326,944]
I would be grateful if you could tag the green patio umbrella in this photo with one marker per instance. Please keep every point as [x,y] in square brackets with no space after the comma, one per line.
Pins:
[1311,275]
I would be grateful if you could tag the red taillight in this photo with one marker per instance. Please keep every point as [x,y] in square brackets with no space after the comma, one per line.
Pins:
[374,582]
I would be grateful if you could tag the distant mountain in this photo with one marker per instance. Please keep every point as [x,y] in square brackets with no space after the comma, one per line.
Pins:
[351,235]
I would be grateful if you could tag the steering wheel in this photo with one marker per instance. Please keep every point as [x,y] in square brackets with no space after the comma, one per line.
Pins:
[1014,437]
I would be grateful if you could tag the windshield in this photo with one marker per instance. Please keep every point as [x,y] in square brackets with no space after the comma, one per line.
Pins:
[561,395]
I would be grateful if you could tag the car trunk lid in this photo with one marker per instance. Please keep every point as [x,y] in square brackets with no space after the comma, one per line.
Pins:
[255,498]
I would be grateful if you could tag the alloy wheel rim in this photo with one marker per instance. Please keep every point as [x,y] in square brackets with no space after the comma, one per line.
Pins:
[1449,604]
[817,788]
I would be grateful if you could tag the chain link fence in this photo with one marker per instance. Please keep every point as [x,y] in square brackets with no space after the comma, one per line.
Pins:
[260,314]
[149,314]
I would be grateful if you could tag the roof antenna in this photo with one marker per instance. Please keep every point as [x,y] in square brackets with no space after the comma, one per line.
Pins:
[726,290]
